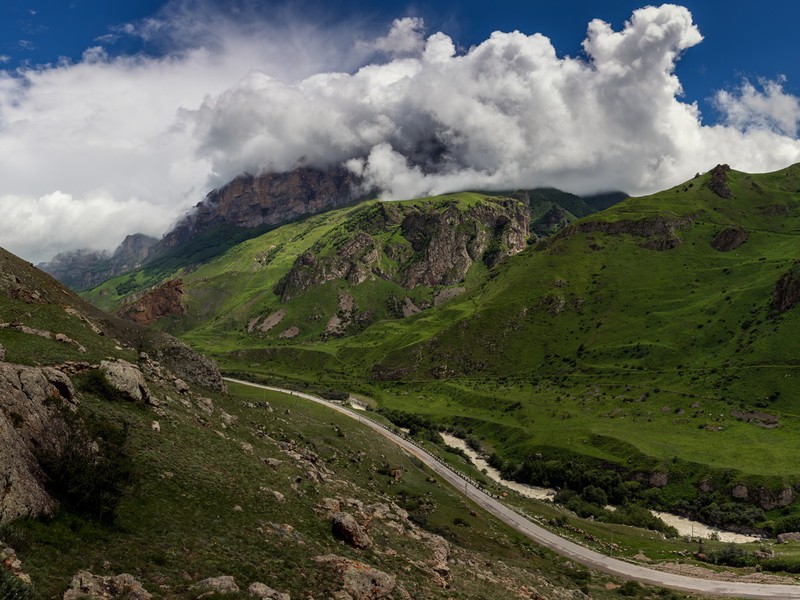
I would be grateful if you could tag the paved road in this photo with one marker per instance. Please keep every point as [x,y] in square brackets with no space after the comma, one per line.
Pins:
[557,544]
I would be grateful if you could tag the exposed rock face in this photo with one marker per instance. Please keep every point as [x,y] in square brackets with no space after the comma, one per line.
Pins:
[264,592]
[269,199]
[433,244]
[345,527]
[361,581]
[450,241]
[354,262]
[661,231]
[126,378]
[792,536]
[769,500]
[719,181]
[30,422]
[162,301]
[729,239]
[224,584]
[191,366]
[786,291]
[86,586]
[84,269]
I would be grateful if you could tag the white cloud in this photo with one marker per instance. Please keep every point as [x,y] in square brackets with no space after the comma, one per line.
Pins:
[405,37]
[134,142]
[750,108]
[507,113]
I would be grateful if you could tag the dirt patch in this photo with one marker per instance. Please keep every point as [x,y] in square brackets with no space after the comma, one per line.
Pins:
[290,333]
[272,320]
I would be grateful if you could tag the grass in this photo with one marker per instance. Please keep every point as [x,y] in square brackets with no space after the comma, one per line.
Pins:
[201,507]
[591,346]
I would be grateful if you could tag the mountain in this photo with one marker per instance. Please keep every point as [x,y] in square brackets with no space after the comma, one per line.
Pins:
[128,470]
[640,344]
[84,269]
[250,205]
[269,199]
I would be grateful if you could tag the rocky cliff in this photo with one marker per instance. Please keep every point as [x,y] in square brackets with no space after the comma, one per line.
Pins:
[162,301]
[269,199]
[431,243]
[31,423]
[84,269]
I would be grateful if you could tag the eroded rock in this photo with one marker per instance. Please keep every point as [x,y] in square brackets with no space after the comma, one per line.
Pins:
[359,580]
[86,586]
[127,379]
[346,528]
[264,592]
[31,424]
[223,584]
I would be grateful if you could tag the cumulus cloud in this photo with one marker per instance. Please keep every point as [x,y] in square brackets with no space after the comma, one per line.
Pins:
[507,113]
[405,37]
[132,142]
[767,108]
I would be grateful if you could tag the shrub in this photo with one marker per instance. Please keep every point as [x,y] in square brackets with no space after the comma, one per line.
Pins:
[90,473]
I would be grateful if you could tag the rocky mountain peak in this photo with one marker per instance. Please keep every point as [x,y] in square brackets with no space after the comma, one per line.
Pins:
[251,201]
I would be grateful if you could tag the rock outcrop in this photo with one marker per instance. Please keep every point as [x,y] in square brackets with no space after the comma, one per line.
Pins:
[347,529]
[359,580]
[224,584]
[261,591]
[84,269]
[431,244]
[189,365]
[719,181]
[31,423]
[86,586]
[786,291]
[162,301]
[270,199]
[126,379]
[729,239]
[661,232]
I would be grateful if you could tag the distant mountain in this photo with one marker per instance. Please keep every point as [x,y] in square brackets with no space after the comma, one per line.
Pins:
[84,269]
[250,205]
[270,199]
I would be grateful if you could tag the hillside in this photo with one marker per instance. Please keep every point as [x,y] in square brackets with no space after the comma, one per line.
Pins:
[122,481]
[653,339]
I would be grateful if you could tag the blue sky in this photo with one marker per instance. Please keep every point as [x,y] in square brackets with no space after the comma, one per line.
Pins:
[118,117]
[742,39]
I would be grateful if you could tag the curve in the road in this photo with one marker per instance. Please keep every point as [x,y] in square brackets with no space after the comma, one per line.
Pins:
[564,547]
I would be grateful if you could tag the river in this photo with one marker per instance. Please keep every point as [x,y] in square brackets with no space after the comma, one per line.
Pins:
[683,525]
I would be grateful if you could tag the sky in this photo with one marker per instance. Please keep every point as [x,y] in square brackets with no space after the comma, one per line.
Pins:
[118,117]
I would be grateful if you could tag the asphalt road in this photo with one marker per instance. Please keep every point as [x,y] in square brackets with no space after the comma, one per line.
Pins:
[557,544]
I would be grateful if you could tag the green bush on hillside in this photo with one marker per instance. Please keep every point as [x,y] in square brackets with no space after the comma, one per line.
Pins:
[88,475]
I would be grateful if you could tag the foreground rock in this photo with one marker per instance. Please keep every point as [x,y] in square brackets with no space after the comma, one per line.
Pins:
[126,379]
[264,592]
[86,586]
[786,291]
[729,239]
[224,584]
[31,424]
[346,528]
[359,580]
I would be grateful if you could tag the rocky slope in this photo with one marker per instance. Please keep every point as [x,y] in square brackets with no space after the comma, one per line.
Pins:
[430,244]
[269,199]
[84,269]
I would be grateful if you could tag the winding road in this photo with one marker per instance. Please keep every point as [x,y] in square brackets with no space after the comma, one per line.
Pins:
[559,545]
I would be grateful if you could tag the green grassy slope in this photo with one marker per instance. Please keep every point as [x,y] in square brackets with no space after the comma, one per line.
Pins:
[593,345]
[626,339]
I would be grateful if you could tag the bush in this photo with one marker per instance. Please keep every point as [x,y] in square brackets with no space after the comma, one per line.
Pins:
[732,555]
[89,475]
[630,588]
